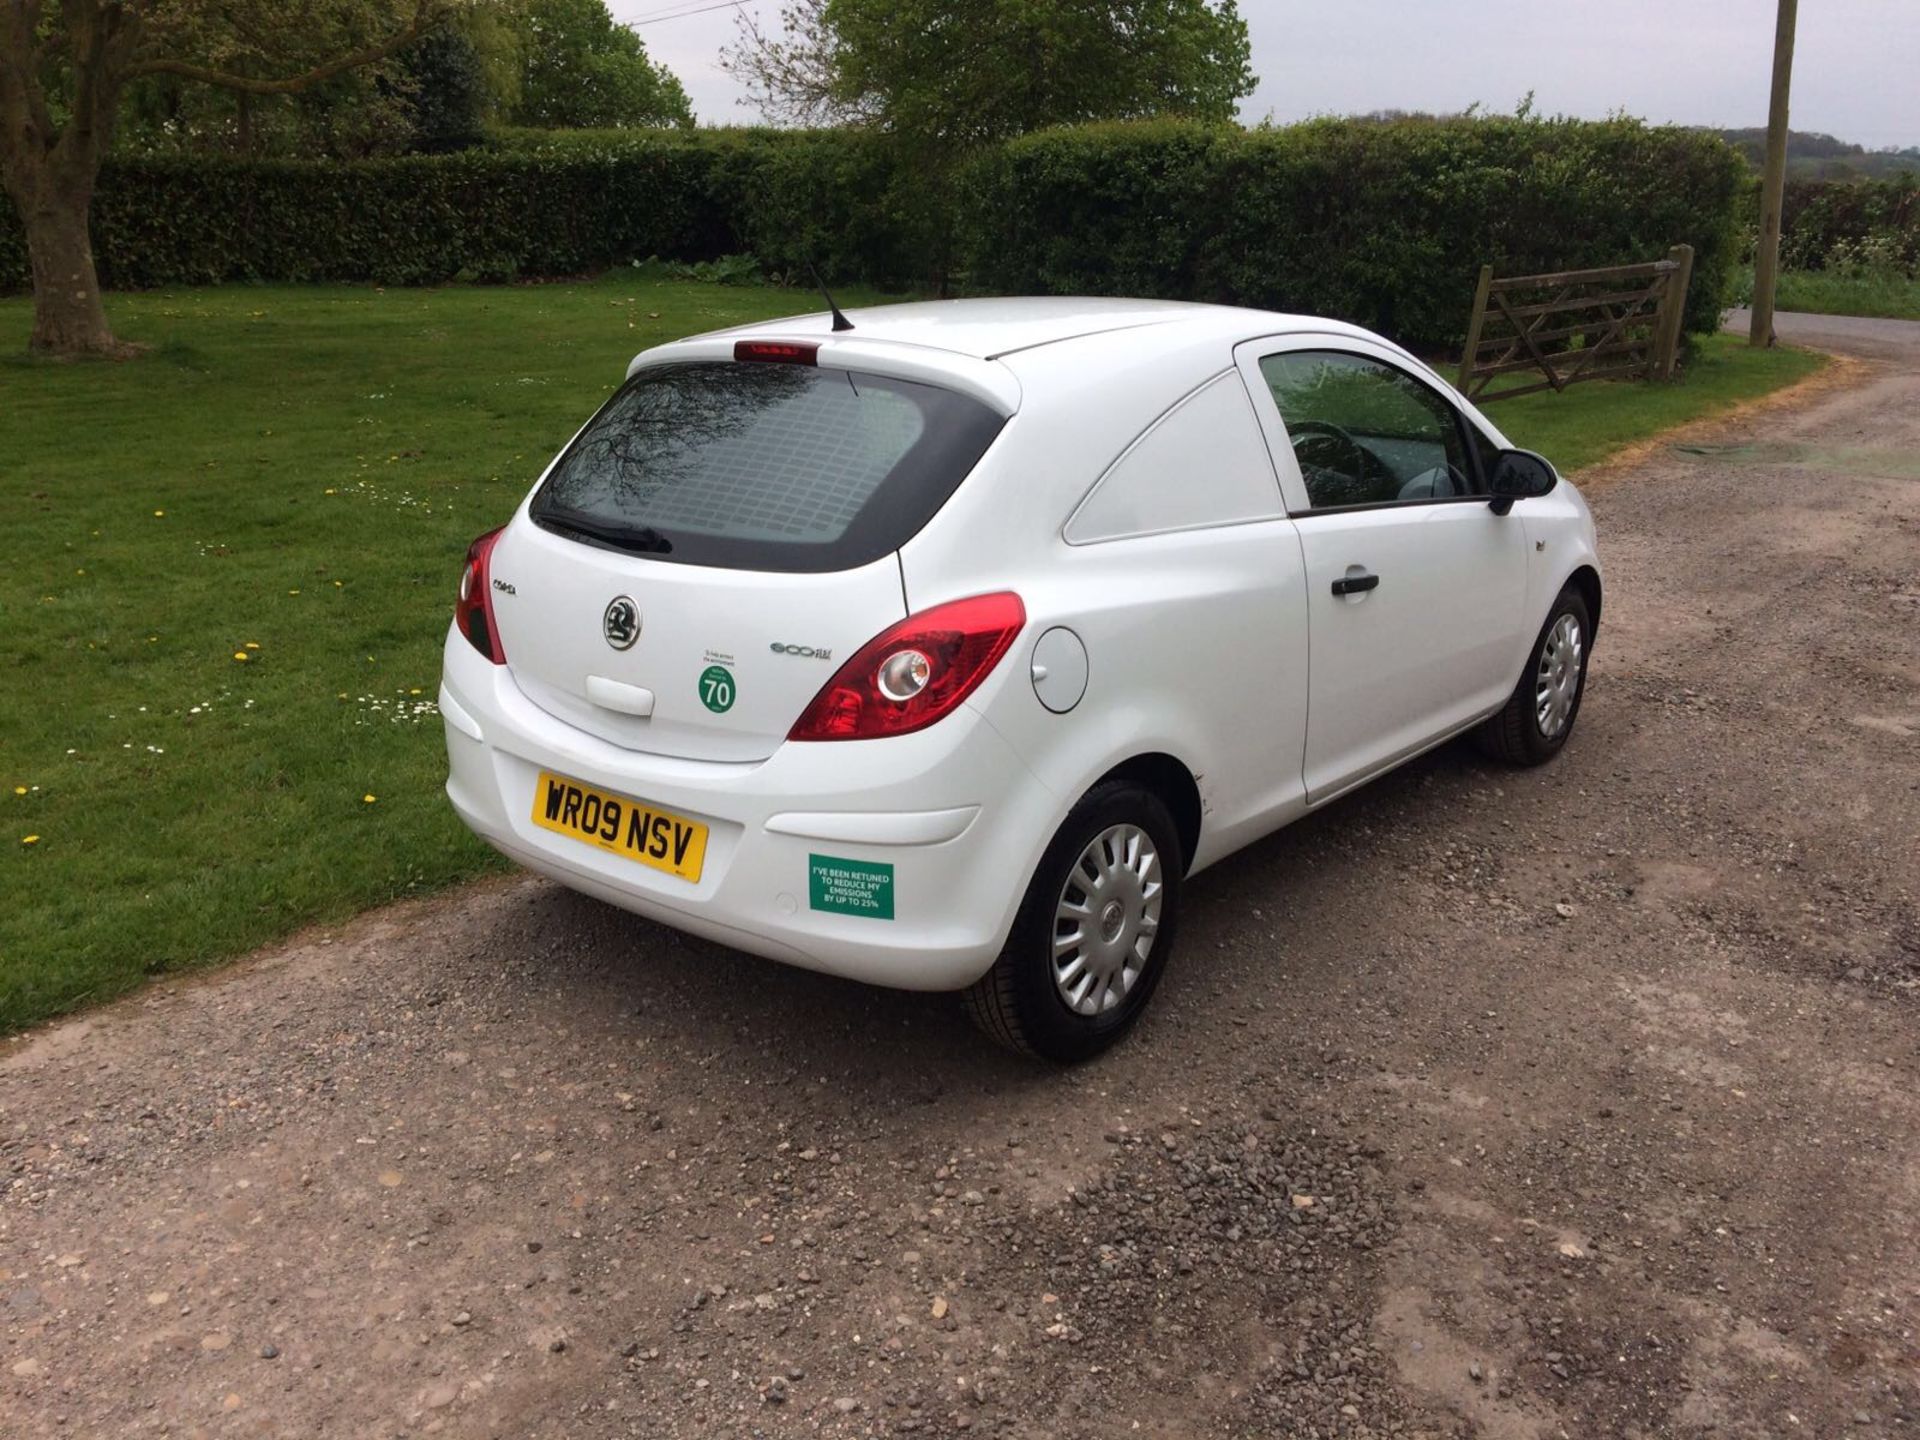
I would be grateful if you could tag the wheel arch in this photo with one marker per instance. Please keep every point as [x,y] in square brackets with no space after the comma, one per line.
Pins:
[1586,580]
[1173,782]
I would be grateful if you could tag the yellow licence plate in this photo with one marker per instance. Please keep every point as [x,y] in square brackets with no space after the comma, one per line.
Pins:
[631,829]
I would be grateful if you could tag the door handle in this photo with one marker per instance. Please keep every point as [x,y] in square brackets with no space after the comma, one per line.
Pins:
[1355,584]
[618,695]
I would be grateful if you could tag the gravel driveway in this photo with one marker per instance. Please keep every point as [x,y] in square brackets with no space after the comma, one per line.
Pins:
[1577,1102]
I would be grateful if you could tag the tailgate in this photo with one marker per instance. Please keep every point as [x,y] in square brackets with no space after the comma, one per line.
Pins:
[722,662]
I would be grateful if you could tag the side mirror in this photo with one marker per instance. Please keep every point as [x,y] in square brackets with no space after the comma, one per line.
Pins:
[1519,475]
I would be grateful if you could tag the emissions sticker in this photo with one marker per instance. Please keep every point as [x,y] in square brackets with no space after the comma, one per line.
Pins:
[716,689]
[850,887]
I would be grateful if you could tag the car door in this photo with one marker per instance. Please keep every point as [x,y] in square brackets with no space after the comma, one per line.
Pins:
[1415,587]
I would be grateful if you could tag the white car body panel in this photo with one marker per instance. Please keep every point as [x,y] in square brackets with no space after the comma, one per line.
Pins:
[886,796]
[979,376]
[1428,652]
[695,616]
[1210,633]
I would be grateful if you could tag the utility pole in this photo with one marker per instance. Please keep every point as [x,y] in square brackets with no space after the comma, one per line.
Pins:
[1766,259]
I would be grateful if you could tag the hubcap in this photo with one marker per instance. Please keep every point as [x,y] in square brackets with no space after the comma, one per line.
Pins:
[1106,920]
[1558,681]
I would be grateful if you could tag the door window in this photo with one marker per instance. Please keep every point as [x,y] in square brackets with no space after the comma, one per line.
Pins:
[1365,433]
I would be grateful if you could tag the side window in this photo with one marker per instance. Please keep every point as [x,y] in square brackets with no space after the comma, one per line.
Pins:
[1365,433]
[1202,463]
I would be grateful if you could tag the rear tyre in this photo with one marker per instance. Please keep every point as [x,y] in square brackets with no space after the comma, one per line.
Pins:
[1538,717]
[1093,932]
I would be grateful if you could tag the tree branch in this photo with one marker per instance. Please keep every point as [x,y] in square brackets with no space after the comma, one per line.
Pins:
[425,18]
[100,37]
[23,106]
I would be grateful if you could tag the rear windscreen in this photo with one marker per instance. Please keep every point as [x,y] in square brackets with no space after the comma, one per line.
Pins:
[764,466]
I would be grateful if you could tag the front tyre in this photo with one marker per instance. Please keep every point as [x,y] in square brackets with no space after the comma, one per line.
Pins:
[1093,932]
[1537,718]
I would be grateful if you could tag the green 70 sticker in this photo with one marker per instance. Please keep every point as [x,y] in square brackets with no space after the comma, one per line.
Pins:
[716,689]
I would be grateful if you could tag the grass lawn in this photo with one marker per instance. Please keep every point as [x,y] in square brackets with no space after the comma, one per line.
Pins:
[292,477]
[1587,423]
[1821,292]
[296,469]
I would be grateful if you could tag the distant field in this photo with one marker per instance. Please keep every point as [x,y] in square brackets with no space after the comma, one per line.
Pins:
[1822,292]
[226,570]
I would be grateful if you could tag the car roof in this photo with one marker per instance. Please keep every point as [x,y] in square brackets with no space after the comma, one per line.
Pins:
[987,329]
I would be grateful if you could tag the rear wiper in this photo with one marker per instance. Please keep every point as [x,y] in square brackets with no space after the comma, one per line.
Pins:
[643,539]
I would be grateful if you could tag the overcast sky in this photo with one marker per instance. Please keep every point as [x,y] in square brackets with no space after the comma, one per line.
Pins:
[1697,62]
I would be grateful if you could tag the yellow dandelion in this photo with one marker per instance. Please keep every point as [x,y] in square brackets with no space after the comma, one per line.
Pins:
[368,799]
[158,514]
[29,839]
[253,644]
[241,656]
[19,789]
[329,492]
[293,592]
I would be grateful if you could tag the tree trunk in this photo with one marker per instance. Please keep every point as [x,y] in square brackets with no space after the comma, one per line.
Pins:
[68,317]
[48,169]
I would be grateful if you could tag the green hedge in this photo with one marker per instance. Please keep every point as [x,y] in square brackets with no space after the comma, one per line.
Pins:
[409,220]
[560,209]
[1385,224]
[1851,224]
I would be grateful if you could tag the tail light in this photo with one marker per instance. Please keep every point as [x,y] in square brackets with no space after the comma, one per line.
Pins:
[914,672]
[780,352]
[473,612]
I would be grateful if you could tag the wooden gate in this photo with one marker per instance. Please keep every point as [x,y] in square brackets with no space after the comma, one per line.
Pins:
[1616,323]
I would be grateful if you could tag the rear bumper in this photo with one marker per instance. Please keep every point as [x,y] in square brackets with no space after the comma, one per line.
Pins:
[952,810]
